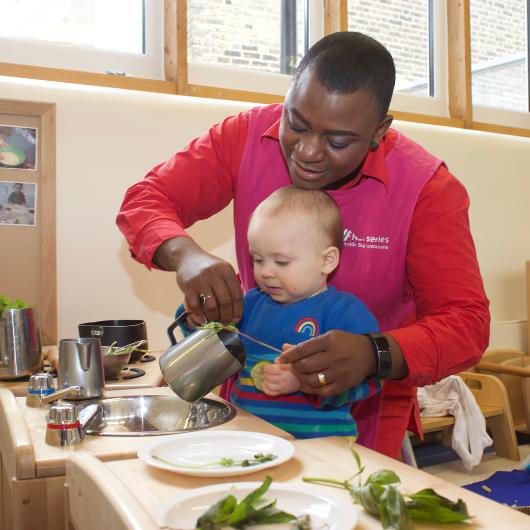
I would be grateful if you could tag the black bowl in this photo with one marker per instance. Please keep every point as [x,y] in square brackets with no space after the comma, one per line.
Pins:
[117,332]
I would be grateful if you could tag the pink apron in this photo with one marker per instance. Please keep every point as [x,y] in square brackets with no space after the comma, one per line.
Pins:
[376,221]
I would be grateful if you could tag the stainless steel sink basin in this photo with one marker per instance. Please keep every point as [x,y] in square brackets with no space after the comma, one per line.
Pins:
[155,415]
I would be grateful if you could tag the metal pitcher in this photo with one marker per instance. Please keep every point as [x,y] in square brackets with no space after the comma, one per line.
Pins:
[201,361]
[20,343]
[79,366]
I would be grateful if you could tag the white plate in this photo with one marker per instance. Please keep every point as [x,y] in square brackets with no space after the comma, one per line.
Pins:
[199,448]
[325,509]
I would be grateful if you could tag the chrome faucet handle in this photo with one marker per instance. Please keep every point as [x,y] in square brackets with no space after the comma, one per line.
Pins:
[63,426]
[40,385]
[65,392]
[66,424]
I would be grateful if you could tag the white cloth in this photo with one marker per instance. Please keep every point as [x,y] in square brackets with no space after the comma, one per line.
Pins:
[451,396]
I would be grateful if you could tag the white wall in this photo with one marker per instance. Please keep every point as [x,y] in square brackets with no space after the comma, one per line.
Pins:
[107,139]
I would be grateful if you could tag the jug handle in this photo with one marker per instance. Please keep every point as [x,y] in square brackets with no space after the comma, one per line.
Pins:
[171,328]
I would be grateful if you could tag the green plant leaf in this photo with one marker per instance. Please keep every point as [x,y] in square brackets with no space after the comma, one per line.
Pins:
[427,505]
[383,477]
[393,511]
[219,512]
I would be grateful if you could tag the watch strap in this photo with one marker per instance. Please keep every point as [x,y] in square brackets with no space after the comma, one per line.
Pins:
[383,355]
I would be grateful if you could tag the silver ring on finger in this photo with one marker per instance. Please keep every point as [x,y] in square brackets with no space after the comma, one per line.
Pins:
[322,379]
[203,298]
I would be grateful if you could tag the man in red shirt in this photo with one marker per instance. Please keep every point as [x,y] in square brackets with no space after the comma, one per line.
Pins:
[333,133]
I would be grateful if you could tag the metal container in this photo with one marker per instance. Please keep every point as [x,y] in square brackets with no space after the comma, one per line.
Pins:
[80,365]
[114,364]
[117,332]
[201,361]
[40,386]
[20,343]
[155,415]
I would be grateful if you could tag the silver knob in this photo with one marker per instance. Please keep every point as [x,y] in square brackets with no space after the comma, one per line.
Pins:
[63,426]
[40,385]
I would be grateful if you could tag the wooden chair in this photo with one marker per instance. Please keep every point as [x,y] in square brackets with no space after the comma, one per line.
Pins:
[97,499]
[512,367]
[493,401]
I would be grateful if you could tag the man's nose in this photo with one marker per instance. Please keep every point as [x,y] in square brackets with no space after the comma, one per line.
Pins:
[310,149]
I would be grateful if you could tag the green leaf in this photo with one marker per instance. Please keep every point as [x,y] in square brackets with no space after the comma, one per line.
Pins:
[368,497]
[383,477]
[427,505]
[217,514]
[272,517]
[393,511]
[245,509]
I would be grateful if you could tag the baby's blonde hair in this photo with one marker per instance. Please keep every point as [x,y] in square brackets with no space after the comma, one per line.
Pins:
[315,204]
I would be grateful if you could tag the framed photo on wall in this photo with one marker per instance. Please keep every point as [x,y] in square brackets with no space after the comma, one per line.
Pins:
[18,203]
[18,147]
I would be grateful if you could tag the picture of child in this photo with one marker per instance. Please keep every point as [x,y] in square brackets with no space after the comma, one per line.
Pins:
[18,203]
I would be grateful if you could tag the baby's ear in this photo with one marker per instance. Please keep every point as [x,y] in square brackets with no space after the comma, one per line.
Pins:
[330,260]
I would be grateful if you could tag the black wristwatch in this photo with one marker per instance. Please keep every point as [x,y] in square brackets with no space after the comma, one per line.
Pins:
[383,355]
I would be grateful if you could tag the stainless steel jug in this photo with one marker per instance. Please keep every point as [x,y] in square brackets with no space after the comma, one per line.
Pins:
[79,366]
[201,361]
[20,344]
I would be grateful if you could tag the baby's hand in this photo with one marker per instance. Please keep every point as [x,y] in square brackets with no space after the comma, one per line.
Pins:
[278,379]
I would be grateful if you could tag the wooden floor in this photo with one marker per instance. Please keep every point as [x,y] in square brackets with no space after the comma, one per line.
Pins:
[455,472]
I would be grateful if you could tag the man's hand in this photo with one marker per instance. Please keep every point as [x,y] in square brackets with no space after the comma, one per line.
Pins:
[210,285]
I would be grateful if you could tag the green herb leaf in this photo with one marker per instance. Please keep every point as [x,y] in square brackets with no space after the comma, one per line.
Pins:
[253,509]
[383,477]
[217,513]
[9,303]
[393,511]
[224,462]
[427,505]
[380,496]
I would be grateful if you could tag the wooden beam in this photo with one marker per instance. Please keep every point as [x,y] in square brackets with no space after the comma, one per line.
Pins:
[459,61]
[170,40]
[182,46]
[231,94]
[335,16]
[86,78]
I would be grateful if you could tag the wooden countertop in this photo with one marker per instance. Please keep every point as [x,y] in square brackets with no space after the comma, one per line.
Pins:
[50,461]
[152,378]
[324,457]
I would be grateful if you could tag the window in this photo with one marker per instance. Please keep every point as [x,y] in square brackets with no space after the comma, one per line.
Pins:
[247,45]
[118,36]
[411,30]
[499,54]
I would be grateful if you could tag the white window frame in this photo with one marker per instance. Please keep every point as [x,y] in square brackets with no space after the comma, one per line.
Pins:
[437,105]
[234,78]
[54,55]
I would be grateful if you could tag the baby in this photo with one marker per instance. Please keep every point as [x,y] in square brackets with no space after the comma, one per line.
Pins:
[295,239]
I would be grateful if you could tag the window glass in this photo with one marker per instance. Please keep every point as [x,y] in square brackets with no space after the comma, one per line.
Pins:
[402,26]
[264,35]
[96,24]
[499,54]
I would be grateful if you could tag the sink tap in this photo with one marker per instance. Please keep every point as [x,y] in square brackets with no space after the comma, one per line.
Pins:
[66,426]
[40,385]
[65,392]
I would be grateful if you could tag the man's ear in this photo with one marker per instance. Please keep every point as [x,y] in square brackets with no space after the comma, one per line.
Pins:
[330,260]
